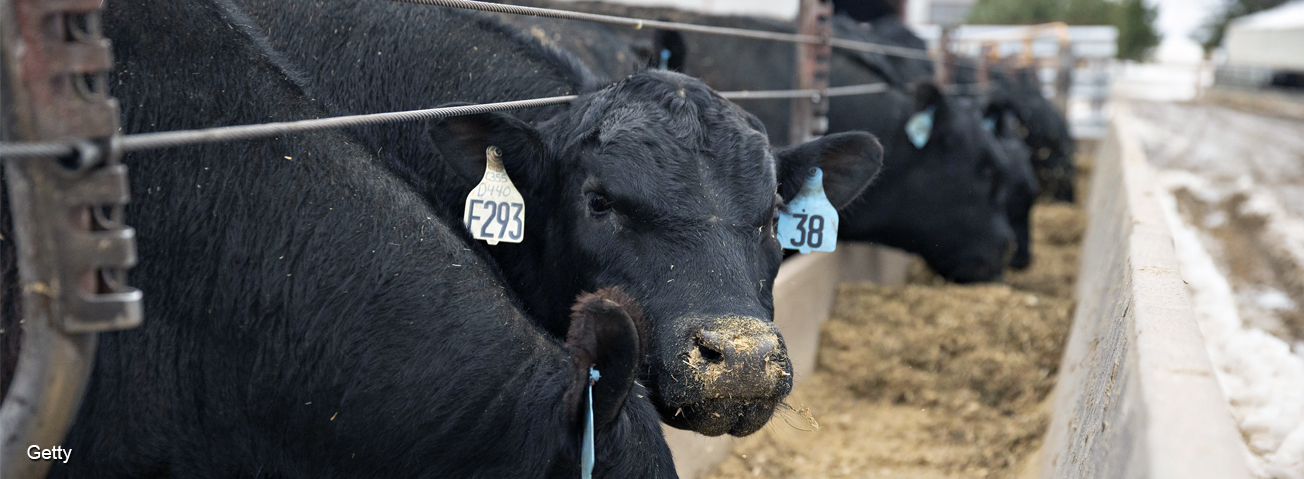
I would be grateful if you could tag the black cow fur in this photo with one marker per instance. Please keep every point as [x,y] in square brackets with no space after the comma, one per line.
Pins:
[654,184]
[308,315]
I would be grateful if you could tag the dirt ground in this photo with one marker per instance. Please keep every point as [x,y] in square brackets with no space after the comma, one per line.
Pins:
[929,380]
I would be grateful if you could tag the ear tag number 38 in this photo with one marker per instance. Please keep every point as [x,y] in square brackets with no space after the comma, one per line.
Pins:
[809,222]
[495,211]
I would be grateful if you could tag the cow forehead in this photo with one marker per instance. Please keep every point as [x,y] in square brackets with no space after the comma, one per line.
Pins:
[693,161]
[731,179]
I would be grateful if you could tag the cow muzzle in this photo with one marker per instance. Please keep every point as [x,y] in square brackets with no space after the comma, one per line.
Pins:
[728,377]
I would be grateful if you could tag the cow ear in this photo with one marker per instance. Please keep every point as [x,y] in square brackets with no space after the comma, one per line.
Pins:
[608,334]
[926,94]
[462,141]
[850,160]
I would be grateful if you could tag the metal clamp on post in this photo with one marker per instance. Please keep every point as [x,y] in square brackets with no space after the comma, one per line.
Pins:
[73,249]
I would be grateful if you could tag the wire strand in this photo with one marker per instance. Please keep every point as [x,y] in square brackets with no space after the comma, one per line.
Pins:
[638,23]
[168,139]
[814,94]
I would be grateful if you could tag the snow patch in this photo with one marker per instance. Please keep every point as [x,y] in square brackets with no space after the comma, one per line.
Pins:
[1261,376]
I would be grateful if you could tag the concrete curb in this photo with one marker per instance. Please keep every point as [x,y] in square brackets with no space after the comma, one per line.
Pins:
[1137,396]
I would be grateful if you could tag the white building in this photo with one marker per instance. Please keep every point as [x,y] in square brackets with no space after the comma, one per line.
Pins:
[1271,39]
[940,12]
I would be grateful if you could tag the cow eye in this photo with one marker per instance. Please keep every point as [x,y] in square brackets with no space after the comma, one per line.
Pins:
[598,205]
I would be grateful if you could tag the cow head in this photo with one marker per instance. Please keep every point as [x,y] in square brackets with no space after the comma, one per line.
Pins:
[659,186]
[1042,128]
[944,199]
[1005,128]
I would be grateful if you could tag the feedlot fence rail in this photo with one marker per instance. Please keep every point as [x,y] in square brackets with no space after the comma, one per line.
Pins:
[168,139]
[156,140]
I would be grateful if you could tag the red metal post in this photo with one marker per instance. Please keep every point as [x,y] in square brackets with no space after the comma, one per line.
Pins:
[809,114]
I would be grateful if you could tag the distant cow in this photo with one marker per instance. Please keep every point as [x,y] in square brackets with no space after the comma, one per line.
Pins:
[308,315]
[1006,128]
[654,184]
[1044,129]
[945,201]
[1041,126]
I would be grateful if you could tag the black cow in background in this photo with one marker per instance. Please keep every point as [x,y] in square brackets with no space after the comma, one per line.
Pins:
[1024,188]
[945,201]
[1042,128]
[307,315]
[654,184]
[1013,153]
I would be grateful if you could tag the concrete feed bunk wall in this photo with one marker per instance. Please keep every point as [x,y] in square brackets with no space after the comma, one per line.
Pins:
[1137,396]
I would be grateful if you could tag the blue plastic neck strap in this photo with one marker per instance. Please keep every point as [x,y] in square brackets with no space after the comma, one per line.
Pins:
[586,451]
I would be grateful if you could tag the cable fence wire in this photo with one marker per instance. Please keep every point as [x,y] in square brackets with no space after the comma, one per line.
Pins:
[813,94]
[843,43]
[168,139]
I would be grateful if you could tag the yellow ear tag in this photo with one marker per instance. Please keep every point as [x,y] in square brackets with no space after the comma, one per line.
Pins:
[494,210]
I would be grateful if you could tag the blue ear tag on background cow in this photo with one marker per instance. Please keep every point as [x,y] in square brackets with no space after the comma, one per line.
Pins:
[920,127]
[809,222]
[586,448]
[989,124]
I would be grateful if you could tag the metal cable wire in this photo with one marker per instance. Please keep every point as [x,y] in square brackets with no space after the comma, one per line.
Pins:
[892,50]
[814,94]
[167,139]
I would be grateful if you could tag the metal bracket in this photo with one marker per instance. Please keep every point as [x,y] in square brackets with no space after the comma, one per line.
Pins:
[73,249]
[75,204]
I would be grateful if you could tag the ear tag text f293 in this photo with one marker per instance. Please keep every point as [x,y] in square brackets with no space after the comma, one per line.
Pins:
[494,210]
[809,222]
[920,127]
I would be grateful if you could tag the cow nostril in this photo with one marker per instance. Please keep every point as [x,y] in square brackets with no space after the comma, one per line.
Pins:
[709,353]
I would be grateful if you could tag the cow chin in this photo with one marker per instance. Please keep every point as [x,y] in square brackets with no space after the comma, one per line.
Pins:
[714,417]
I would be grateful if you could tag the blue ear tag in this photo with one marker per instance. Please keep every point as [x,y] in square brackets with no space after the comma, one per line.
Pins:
[989,124]
[665,59]
[586,448]
[809,222]
[920,127]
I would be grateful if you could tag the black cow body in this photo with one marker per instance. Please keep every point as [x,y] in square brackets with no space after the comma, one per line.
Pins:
[1024,188]
[654,184]
[307,315]
[1046,131]
[945,202]
[1011,153]
[1041,127]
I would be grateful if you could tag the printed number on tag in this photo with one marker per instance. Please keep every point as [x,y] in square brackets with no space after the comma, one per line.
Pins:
[494,210]
[809,222]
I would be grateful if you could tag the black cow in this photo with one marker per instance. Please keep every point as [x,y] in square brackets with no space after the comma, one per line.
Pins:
[654,184]
[1005,126]
[1012,155]
[945,202]
[1041,126]
[309,315]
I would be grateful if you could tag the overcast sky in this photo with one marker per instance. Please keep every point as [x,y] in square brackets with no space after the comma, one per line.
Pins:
[1177,19]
